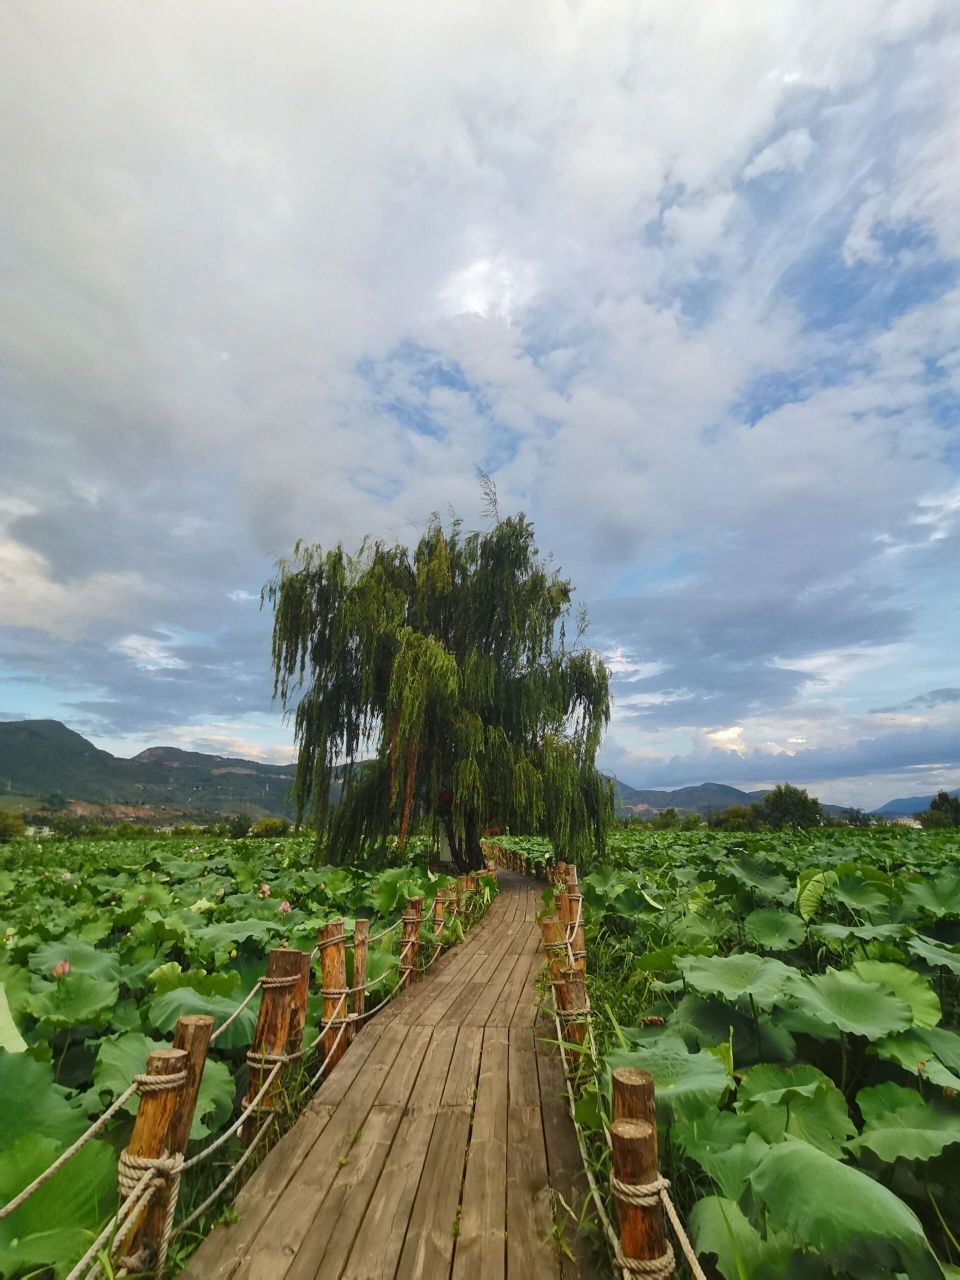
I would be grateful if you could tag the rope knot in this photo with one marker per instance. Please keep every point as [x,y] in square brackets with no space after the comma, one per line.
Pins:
[159,1084]
[640,1195]
[275,984]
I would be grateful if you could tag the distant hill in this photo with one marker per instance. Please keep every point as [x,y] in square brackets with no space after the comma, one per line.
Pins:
[910,804]
[44,758]
[705,798]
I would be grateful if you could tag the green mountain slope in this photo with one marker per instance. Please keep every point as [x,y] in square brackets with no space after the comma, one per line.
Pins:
[44,758]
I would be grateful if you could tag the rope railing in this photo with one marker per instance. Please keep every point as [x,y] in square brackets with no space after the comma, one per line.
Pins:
[137,1237]
[640,1247]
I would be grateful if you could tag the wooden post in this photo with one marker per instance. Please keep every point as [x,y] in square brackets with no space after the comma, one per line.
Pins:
[273,1029]
[410,941]
[561,902]
[150,1140]
[192,1034]
[633,1095]
[552,932]
[635,1163]
[439,910]
[333,967]
[575,909]
[453,899]
[361,933]
[571,994]
[300,993]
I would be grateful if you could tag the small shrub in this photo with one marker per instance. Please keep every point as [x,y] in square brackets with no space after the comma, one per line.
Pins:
[270,828]
[11,826]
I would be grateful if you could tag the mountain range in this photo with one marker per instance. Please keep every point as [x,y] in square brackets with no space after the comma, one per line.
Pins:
[43,761]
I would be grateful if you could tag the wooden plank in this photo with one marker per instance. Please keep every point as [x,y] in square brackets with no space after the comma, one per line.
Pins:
[521,985]
[286,1226]
[489,994]
[531,1253]
[522,1077]
[380,1238]
[462,1077]
[564,1166]
[428,1247]
[480,1251]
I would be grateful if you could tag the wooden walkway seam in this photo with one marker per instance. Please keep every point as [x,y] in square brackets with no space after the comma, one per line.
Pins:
[439,1148]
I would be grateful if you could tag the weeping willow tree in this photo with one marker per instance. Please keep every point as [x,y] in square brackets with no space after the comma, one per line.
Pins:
[439,685]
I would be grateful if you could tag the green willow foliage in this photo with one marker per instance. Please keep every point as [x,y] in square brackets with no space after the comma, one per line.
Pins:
[440,685]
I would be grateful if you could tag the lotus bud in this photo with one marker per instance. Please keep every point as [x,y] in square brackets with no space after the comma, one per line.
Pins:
[264,891]
[61,969]
[284,906]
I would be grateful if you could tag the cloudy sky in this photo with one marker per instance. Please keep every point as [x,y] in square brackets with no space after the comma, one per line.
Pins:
[683,278]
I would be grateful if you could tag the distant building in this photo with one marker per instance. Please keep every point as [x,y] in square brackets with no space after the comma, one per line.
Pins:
[906,820]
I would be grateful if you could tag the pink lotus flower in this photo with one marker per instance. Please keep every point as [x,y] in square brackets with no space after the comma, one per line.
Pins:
[264,891]
[66,876]
[141,898]
[284,906]
[61,969]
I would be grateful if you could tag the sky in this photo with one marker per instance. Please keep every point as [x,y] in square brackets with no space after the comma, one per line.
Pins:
[683,279]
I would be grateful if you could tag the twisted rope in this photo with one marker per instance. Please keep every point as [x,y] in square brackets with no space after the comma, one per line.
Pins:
[165,1172]
[237,1011]
[640,1195]
[271,984]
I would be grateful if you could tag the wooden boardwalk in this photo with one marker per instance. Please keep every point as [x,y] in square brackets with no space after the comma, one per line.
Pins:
[440,1146]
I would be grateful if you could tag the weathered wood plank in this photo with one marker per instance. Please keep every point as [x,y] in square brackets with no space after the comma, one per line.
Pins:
[531,1252]
[431,1231]
[480,1251]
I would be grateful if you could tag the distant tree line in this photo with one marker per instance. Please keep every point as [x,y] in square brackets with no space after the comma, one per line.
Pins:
[944,812]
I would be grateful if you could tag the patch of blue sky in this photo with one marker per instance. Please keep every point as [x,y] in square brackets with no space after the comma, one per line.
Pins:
[868,295]
[404,379]
[768,392]
[658,575]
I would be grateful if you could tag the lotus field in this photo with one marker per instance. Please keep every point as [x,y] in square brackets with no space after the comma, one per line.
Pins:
[105,944]
[796,999]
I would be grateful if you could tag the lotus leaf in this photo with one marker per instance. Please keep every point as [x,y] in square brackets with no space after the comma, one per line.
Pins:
[775,930]
[799,1101]
[55,1226]
[81,957]
[736,976]
[10,1037]
[719,1226]
[844,1001]
[163,1012]
[939,896]
[899,1124]
[911,987]
[811,886]
[33,1103]
[933,1054]
[170,977]
[723,1145]
[936,954]
[856,1224]
[685,1082]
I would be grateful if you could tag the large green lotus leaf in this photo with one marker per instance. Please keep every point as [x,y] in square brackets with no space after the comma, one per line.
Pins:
[853,891]
[936,954]
[798,1101]
[215,1099]
[170,977]
[76,998]
[736,976]
[757,874]
[899,1124]
[33,1103]
[811,886]
[686,1083]
[773,929]
[163,1012]
[862,932]
[724,1147]
[119,1059]
[911,987]
[56,1225]
[856,1224]
[81,957]
[216,941]
[939,896]
[10,1037]
[704,1023]
[719,1226]
[933,1054]
[841,999]
[16,983]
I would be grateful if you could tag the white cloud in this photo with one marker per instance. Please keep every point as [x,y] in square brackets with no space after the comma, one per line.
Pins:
[791,151]
[148,654]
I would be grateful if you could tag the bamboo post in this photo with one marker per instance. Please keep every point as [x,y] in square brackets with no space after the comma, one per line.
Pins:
[361,934]
[571,995]
[410,940]
[150,1141]
[552,932]
[561,901]
[575,909]
[333,967]
[192,1034]
[635,1185]
[453,899]
[439,911]
[273,1029]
